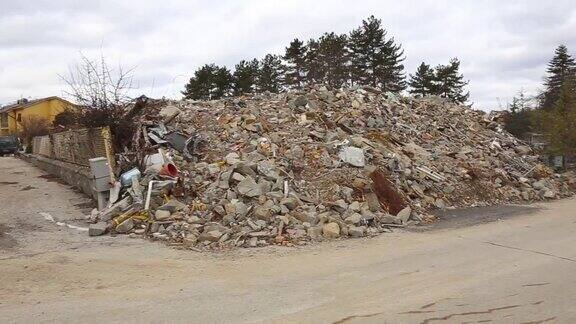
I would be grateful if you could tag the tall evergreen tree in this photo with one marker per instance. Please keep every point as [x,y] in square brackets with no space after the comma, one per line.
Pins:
[518,117]
[313,68]
[200,85]
[559,122]
[223,82]
[271,74]
[422,82]
[375,60]
[560,68]
[450,83]
[245,77]
[208,83]
[333,57]
[295,64]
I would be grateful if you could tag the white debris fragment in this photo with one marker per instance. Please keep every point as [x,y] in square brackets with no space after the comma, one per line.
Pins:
[353,156]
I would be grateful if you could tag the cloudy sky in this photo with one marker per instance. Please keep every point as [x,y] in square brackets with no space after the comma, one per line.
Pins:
[503,45]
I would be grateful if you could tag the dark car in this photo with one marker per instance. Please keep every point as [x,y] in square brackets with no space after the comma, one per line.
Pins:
[9,145]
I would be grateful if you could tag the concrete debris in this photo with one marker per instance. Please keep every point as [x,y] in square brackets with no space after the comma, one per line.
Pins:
[190,240]
[548,194]
[523,149]
[300,101]
[173,205]
[315,164]
[97,229]
[315,232]
[539,185]
[125,226]
[356,231]
[389,219]
[331,230]
[404,215]
[249,188]
[169,112]
[353,156]
[161,215]
[232,158]
[354,219]
[212,236]
[440,203]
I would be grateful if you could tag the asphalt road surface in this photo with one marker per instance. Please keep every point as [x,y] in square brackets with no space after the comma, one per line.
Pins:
[496,265]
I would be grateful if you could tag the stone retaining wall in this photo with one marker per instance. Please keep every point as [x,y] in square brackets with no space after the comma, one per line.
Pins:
[72,174]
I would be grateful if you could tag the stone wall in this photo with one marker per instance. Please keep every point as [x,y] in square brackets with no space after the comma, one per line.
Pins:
[74,175]
[75,146]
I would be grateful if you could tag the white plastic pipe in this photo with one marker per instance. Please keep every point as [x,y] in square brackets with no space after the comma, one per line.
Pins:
[149,194]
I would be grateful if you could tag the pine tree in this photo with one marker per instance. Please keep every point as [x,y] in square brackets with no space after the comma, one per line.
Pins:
[376,61]
[558,123]
[222,83]
[393,78]
[560,68]
[245,77]
[518,118]
[333,57]
[514,107]
[450,83]
[200,85]
[422,82]
[295,64]
[271,74]
[314,70]
[209,82]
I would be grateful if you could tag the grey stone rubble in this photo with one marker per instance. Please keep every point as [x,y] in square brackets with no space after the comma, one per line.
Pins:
[97,229]
[320,164]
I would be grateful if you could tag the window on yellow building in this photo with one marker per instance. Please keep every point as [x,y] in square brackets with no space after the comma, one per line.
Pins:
[4,120]
[19,118]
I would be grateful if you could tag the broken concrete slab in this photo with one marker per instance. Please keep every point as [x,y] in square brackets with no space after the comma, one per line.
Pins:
[173,205]
[125,226]
[353,156]
[404,215]
[331,230]
[211,236]
[161,215]
[249,188]
[97,229]
[356,231]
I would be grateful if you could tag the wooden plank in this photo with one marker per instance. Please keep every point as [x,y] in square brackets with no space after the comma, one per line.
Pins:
[107,140]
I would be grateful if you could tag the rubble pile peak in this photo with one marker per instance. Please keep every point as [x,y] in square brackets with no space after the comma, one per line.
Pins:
[319,164]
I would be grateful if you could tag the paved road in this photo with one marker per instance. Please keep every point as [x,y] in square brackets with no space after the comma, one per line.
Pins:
[517,270]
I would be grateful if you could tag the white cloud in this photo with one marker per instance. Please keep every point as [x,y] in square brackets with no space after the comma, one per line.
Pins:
[503,46]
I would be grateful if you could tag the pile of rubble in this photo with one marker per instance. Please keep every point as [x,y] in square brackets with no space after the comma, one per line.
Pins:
[316,164]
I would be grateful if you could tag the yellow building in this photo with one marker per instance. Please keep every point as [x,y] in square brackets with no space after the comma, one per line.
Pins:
[11,116]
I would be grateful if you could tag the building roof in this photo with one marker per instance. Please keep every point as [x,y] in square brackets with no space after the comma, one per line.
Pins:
[27,103]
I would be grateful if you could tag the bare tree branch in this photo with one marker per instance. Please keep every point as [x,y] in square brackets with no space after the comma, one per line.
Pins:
[93,84]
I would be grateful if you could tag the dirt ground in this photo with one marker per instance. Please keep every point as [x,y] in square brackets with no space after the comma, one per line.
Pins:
[502,265]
